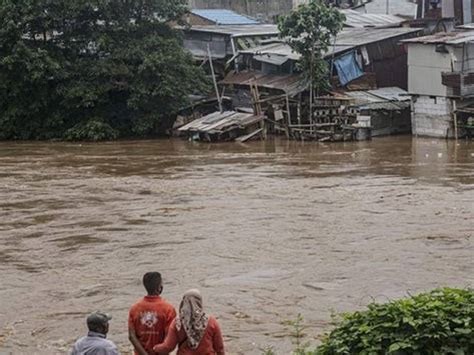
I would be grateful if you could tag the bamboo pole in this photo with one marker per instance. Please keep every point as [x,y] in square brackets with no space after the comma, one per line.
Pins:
[455,118]
[219,99]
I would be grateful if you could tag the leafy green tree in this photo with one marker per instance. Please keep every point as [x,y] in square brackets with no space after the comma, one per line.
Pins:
[309,30]
[92,69]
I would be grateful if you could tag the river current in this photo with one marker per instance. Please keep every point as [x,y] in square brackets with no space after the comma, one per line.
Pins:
[266,230]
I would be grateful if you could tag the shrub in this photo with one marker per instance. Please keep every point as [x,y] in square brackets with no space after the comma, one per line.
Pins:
[438,322]
[92,130]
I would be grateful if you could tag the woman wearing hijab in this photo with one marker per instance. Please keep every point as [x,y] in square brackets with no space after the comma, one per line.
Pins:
[193,331]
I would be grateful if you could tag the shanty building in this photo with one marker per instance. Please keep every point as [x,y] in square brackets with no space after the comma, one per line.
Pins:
[362,59]
[225,41]
[386,111]
[441,83]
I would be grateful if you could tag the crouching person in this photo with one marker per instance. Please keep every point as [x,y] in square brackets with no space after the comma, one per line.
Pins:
[95,342]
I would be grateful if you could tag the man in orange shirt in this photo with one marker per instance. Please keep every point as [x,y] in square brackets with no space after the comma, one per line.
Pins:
[150,317]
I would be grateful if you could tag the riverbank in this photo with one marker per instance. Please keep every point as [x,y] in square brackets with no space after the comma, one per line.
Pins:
[266,230]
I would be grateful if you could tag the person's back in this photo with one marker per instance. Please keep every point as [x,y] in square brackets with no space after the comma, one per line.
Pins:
[150,317]
[211,343]
[194,332]
[95,342]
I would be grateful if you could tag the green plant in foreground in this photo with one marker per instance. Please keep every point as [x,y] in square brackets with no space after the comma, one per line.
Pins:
[438,322]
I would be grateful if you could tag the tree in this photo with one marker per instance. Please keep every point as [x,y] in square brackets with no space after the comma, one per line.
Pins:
[92,69]
[308,30]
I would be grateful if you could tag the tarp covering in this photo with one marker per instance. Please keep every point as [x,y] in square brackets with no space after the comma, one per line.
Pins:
[347,68]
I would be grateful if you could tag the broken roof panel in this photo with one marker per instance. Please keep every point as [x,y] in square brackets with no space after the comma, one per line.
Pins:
[359,20]
[453,38]
[224,17]
[219,121]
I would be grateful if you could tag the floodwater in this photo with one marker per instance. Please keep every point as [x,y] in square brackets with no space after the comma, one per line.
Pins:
[266,230]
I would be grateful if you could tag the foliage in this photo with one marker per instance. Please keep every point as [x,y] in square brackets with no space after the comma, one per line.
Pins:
[92,130]
[297,334]
[301,348]
[308,30]
[111,66]
[438,322]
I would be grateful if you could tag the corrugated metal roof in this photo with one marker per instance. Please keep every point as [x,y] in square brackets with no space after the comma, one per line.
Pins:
[238,30]
[390,98]
[453,38]
[359,20]
[391,93]
[363,36]
[224,17]
[275,59]
[278,48]
[289,83]
[346,40]
[467,26]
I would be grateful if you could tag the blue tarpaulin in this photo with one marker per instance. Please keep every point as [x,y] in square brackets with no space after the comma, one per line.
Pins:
[347,68]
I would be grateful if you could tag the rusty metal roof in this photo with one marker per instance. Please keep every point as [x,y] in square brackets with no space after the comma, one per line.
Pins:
[290,84]
[452,38]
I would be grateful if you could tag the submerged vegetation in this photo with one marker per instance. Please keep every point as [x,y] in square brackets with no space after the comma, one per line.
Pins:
[92,69]
[437,322]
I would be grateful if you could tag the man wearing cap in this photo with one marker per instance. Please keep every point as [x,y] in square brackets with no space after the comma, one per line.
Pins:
[95,343]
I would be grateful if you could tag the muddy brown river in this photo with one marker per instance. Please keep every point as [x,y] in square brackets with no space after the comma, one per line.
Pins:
[265,230]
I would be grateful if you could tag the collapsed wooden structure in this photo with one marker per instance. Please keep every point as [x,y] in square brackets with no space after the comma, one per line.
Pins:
[224,126]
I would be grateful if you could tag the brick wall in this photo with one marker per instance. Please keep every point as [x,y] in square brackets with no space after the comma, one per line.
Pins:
[432,117]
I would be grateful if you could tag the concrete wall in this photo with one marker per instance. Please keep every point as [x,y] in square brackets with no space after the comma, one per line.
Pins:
[425,66]
[265,9]
[431,117]
[459,9]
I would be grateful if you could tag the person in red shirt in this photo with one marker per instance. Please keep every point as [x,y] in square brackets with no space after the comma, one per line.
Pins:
[150,317]
[193,331]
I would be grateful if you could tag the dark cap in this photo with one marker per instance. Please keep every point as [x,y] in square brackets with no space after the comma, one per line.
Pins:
[97,318]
